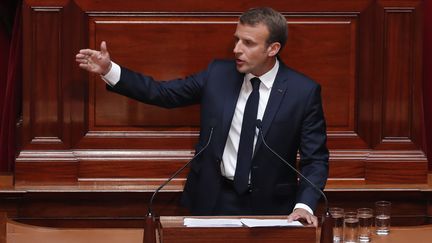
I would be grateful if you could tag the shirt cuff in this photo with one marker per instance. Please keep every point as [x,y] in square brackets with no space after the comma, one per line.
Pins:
[303,206]
[113,75]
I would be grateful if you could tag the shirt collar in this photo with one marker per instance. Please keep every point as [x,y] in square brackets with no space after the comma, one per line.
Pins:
[267,78]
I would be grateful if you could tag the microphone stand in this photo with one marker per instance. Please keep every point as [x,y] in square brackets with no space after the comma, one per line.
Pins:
[327,227]
[149,228]
[150,222]
[327,220]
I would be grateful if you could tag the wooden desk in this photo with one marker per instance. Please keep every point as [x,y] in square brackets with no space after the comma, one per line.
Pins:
[413,234]
[21,233]
[175,232]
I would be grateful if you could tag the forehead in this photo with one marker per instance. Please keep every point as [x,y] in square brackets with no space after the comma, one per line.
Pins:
[254,32]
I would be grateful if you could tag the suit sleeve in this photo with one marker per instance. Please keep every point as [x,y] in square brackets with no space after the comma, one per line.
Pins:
[168,94]
[314,154]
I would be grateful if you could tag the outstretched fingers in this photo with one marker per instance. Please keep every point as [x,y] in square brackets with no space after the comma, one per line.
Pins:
[103,48]
[88,52]
[94,61]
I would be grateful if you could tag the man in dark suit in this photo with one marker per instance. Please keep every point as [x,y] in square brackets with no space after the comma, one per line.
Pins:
[237,174]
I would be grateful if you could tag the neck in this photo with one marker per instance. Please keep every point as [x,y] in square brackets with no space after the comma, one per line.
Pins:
[268,65]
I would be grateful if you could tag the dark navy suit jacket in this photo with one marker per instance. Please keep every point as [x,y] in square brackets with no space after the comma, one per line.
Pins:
[293,122]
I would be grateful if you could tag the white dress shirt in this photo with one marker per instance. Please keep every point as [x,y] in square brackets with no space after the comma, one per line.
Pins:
[229,157]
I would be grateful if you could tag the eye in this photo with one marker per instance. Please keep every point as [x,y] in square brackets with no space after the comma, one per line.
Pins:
[249,42]
[236,40]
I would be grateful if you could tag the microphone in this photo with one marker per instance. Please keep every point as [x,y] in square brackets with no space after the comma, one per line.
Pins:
[327,225]
[149,231]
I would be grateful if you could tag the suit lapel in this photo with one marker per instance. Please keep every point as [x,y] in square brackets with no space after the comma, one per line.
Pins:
[276,95]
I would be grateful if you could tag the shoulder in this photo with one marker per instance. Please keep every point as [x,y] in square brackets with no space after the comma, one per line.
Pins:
[297,78]
[222,67]
[222,63]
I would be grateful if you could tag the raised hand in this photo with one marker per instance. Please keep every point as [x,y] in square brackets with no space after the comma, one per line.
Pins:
[98,62]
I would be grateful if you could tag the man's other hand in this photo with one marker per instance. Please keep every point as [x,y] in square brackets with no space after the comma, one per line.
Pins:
[303,215]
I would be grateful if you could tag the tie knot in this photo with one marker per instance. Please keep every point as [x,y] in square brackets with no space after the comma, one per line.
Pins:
[255,83]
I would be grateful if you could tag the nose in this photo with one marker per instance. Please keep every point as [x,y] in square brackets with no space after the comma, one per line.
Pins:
[237,48]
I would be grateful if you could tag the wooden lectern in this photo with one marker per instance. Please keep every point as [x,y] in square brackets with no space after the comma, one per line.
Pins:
[173,230]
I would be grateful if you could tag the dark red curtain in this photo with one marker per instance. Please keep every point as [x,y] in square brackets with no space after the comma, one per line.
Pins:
[427,84]
[10,79]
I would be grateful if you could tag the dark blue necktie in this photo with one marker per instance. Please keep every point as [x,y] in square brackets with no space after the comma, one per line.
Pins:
[247,135]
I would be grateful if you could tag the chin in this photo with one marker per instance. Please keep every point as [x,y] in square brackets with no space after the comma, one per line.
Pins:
[242,69]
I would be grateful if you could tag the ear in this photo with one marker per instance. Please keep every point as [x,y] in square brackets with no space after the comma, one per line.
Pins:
[273,49]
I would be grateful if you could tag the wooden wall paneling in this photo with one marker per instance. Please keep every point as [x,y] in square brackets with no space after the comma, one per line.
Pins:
[76,37]
[376,84]
[50,167]
[396,128]
[368,75]
[42,98]
[378,172]
[347,167]
[418,127]
[115,205]
[187,6]
[399,76]
[50,45]
[349,47]
[395,167]
[120,140]
[138,43]
[324,47]
[138,165]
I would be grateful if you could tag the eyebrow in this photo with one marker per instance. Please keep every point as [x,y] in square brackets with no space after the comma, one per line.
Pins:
[246,39]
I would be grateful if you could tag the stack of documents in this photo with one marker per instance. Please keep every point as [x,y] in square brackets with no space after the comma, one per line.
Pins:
[225,222]
[194,222]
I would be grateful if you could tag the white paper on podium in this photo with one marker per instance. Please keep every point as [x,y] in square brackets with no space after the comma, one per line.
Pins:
[269,222]
[223,222]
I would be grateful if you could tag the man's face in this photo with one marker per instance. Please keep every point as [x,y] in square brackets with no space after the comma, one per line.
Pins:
[252,53]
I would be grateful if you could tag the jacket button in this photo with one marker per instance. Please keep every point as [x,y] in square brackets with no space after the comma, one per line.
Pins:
[255,167]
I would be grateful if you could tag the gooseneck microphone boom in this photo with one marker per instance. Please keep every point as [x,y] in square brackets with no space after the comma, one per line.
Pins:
[327,226]
[149,224]
[150,211]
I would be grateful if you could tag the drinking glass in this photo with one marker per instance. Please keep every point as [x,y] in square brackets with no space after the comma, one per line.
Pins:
[382,217]
[365,217]
[338,220]
[350,230]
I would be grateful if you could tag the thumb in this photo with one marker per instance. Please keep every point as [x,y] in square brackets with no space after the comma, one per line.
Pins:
[103,48]
[290,218]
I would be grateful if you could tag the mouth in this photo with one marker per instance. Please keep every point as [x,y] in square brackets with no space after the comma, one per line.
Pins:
[239,62]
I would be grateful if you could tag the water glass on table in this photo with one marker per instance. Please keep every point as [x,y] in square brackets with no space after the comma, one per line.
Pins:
[382,217]
[338,220]
[365,217]
[351,223]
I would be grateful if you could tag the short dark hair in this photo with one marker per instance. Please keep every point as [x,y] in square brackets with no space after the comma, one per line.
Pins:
[275,22]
